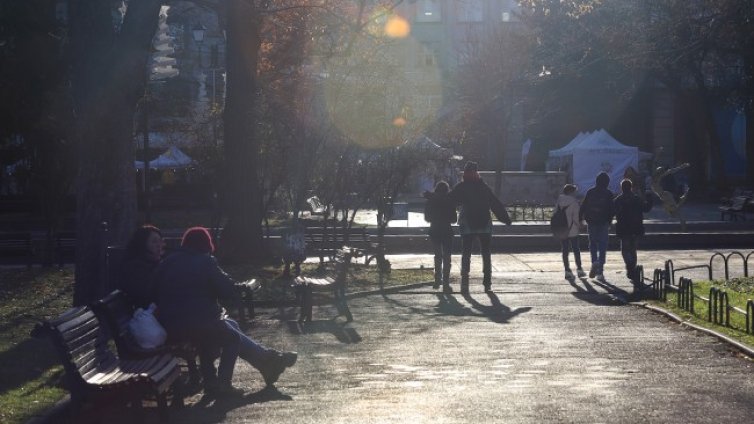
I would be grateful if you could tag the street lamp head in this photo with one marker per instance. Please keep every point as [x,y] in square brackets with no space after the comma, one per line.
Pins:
[198,32]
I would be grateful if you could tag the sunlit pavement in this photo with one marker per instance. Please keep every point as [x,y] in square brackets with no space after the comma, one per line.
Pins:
[539,349]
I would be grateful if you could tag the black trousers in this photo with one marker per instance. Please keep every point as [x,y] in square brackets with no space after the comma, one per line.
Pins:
[484,243]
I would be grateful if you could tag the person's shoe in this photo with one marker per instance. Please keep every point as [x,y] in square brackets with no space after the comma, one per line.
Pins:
[218,390]
[487,287]
[447,289]
[438,281]
[580,272]
[276,365]
[569,275]
[600,277]
[592,272]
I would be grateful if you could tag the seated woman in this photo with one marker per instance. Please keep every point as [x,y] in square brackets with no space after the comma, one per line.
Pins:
[189,288]
[143,253]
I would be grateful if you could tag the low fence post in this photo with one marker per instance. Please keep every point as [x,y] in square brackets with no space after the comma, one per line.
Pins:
[712,305]
[750,316]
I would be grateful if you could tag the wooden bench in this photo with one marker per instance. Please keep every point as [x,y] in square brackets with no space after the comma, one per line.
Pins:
[334,282]
[735,209]
[17,246]
[326,242]
[94,372]
[65,248]
[116,310]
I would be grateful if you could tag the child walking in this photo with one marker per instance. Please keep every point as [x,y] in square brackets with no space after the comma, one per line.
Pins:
[440,212]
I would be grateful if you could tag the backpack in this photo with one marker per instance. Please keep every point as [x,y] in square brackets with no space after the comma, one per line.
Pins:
[559,223]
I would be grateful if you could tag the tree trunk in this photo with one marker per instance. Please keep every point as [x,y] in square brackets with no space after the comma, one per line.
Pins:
[109,69]
[242,237]
[750,143]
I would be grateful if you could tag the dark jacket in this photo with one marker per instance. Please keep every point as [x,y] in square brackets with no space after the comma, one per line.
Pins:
[189,287]
[629,214]
[440,212]
[477,200]
[135,280]
[597,207]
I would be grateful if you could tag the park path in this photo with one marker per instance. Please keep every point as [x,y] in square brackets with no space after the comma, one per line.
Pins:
[539,349]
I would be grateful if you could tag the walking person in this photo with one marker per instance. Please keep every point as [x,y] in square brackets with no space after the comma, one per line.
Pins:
[629,225]
[477,200]
[189,288]
[569,238]
[597,210]
[440,212]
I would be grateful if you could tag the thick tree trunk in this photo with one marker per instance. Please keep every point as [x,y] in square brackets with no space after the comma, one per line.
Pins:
[242,237]
[109,68]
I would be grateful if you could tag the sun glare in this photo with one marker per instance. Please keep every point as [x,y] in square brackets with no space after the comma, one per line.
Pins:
[399,121]
[397,27]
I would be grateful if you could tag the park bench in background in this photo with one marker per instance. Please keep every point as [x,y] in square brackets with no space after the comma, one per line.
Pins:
[246,290]
[93,371]
[65,248]
[735,209]
[16,246]
[325,242]
[333,282]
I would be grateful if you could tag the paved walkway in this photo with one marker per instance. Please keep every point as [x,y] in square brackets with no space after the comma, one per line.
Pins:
[537,350]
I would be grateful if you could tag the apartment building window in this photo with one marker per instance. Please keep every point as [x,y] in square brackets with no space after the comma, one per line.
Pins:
[428,11]
[428,55]
[470,10]
[507,10]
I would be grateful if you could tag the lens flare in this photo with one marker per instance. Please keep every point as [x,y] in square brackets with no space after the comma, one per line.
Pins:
[399,121]
[397,27]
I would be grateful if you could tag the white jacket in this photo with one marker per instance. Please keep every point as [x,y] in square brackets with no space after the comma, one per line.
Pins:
[571,206]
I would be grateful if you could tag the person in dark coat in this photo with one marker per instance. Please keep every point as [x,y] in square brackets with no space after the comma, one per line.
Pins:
[477,200]
[142,255]
[597,210]
[189,289]
[440,212]
[629,225]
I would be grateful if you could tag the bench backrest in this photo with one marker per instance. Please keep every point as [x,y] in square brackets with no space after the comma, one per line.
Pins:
[80,342]
[739,202]
[116,311]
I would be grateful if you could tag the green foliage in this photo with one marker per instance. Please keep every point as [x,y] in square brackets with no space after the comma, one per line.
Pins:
[739,291]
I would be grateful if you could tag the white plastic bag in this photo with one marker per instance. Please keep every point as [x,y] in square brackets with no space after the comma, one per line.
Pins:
[146,330]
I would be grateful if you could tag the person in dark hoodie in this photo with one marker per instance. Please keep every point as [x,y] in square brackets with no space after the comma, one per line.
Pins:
[629,225]
[477,200]
[597,210]
[440,212]
[142,255]
[189,288]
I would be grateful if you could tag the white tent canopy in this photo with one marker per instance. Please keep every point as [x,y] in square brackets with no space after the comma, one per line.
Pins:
[172,158]
[588,154]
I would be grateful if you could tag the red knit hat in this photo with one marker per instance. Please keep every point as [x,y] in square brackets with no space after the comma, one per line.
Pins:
[198,238]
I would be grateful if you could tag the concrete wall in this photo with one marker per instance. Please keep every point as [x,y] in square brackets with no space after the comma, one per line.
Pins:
[531,187]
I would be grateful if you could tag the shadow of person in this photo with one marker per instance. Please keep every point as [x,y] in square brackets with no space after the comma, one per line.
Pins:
[215,410]
[341,331]
[588,293]
[496,311]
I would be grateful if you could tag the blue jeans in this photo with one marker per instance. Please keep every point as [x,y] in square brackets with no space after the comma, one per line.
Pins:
[573,243]
[598,236]
[484,244]
[226,335]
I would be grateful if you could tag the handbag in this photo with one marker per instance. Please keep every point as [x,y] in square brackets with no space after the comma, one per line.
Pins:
[145,328]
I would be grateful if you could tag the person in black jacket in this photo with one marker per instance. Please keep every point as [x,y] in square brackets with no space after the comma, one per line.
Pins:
[477,200]
[142,255]
[189,288]
[629,225]
[440,212]
[597,210]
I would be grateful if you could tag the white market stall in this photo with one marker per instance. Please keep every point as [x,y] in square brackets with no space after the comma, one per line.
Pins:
[172,158]
[588,154]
